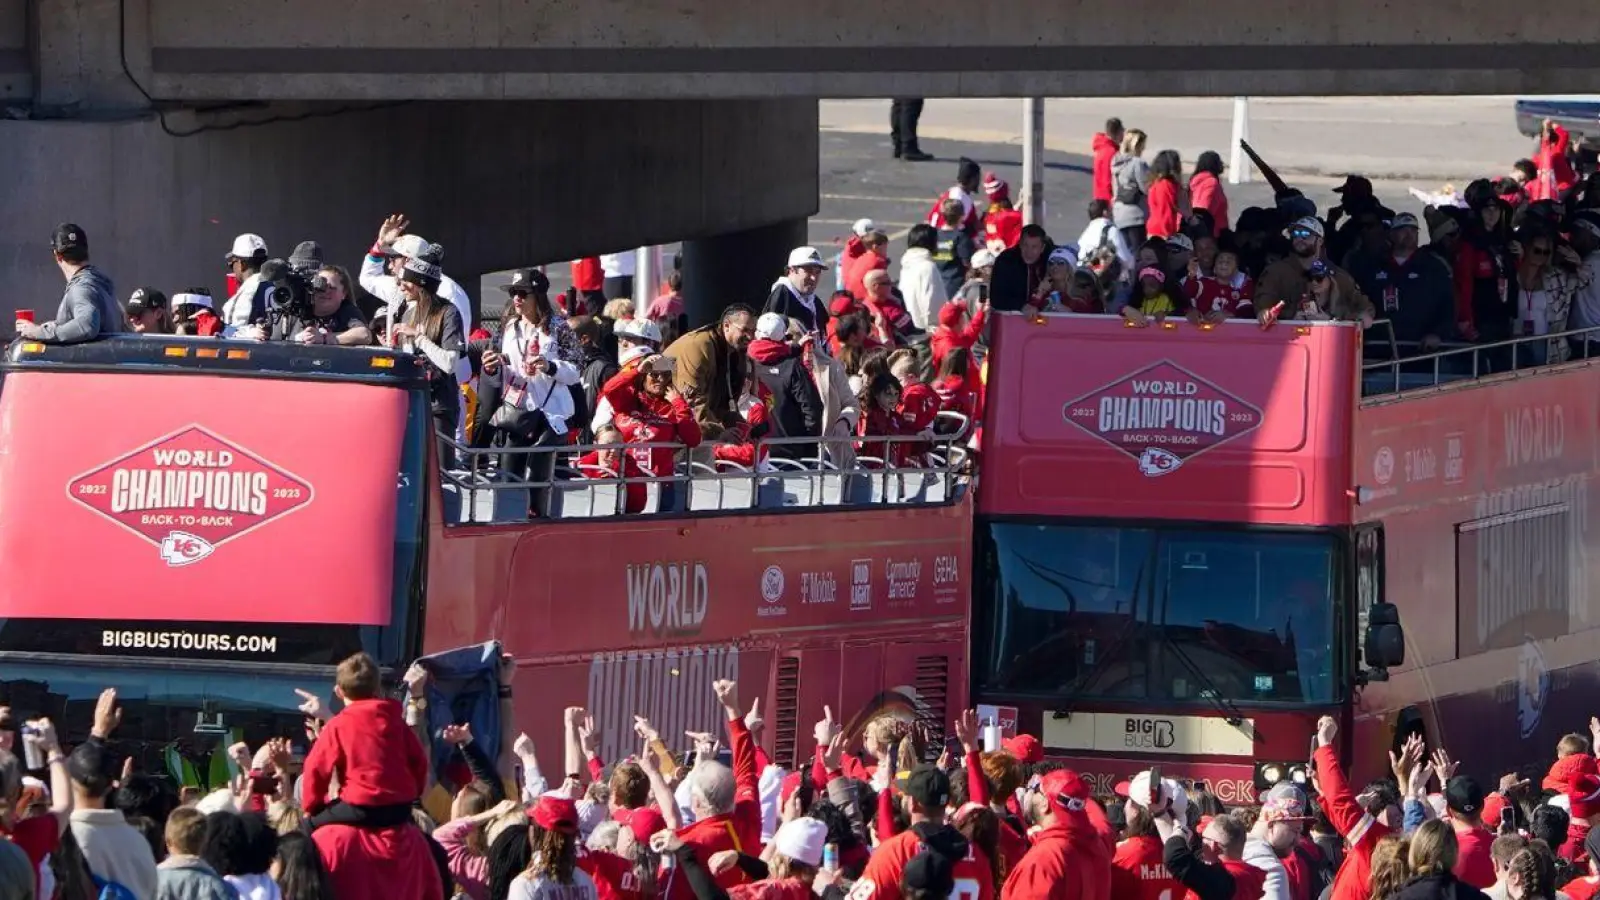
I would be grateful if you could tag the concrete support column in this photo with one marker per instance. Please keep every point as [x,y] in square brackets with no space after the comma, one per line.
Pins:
[737,267]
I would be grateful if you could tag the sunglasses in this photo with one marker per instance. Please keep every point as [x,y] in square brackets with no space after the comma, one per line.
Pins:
[658,376]
[1540,251]
[1301,233]
[1319,278]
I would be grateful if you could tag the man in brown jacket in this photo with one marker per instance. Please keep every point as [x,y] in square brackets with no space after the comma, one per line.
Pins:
[711,369]
[1306,286]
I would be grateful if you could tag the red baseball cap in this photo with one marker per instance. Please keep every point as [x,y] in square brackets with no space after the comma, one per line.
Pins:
[644,822]
[1066,790]
[1026,748]
[555,814]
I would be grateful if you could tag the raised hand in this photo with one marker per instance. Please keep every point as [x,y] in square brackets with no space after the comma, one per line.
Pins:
[728,695]
[457,735]
[1327,729]
[392,228]
[589,737]
[1444,766]
[523,746]
[968,730]
[312,706]
[827,728]
[646,731]
[416,679]
[107,715]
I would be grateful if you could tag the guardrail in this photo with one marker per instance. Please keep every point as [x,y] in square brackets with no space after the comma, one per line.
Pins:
[1457,361]
[505,485]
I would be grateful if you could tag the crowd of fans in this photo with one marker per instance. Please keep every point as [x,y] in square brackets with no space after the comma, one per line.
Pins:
[885,814]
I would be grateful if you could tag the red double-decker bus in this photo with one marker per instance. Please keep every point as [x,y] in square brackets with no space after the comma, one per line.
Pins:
[208,525]
[1182,532]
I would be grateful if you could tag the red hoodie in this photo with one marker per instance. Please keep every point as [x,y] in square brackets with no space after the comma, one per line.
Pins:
[587,275]
[947,336]
[739,830]
[1104,149]
[378,758]
[1165,215]
[1069,860]
[378,864]
[858,261]
[1205,192]
[1002,228]
[591,467]
[957,395]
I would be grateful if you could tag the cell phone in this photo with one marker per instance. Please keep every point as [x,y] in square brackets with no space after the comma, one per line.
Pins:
[1508,821]
[263,784]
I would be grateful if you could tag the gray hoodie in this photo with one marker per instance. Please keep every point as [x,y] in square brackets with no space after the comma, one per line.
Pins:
[1259,853]
[89,309]
[190,878]
[1129,174]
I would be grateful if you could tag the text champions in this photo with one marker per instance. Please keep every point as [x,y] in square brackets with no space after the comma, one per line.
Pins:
[1164,411]
[198,480]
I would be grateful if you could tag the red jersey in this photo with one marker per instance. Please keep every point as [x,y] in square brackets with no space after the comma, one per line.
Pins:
[739,830]
[1249,882]
[1474,865]
[1139,872]
[881,880]
[378,864]
[614,878]
[1233,298]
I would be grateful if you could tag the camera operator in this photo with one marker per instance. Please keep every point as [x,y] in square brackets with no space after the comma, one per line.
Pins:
[332,317]
[249,301]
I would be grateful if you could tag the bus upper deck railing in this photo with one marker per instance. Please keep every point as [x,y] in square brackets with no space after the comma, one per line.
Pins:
[505,485]
[1455,362]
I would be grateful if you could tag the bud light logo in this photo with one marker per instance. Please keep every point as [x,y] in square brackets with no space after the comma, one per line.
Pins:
[1155,462]
[181,548]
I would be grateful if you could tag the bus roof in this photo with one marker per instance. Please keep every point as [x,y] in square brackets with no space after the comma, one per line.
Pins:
[1090,417]
[172,355]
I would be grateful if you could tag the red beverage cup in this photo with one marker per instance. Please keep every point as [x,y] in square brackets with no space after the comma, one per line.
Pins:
[24,315]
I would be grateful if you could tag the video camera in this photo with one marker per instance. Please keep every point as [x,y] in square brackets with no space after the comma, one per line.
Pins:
[290,290]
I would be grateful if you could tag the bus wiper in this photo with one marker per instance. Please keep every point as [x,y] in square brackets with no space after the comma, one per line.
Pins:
[1103,664]
[1231,713]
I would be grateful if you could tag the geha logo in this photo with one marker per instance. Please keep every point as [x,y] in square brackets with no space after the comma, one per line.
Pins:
[1145,733]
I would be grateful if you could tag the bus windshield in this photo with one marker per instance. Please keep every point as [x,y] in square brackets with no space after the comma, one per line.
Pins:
[179,722]
[1168,614]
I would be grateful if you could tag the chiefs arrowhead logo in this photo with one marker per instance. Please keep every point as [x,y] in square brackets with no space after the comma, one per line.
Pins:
[181,548]
[189,493]
[1155,462]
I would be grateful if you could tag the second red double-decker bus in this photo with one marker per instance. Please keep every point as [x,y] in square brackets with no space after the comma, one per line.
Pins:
[1183,532]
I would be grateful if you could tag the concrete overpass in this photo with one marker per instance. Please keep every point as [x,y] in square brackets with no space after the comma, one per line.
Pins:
[519,130]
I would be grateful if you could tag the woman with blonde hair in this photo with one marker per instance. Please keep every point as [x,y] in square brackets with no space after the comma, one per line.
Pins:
[1432,856]
[1130,182]
[1391,868]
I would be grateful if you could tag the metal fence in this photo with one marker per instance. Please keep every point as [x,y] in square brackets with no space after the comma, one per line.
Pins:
[1388,368]
[508,484]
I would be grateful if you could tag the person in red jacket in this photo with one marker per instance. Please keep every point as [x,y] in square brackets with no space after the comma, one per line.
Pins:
[1166,200]
[872,253]
[1463,803]
[929,842]
[957,329]
[1555,169]
[649,410]
[1218,871]
[726,805]
[380,764]
[1583,803]
[919,406]
[1002,224]
[1104,146]
[958,387]
[1071,854]
[1362,821]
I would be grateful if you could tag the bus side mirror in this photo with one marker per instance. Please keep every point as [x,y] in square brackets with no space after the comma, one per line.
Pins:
[1385,644]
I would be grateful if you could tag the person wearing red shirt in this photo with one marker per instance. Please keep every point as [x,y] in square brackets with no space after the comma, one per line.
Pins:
[1138,869]
[1362,827]
[1555,170]
[919,406]
[1166,202]
[890,320]
[1104,147]
[967,184]
[930,841]
[40,836]
[1071,854]
[1225,294]
[1205,190]
[193,314]
[1588,886]
[1218,871]
[631,872]
[377,757]
[1002,224]
[726,805]
[958,388]
[1583,803]
[957,329]
[611,464]
[872,255]
[1463,800]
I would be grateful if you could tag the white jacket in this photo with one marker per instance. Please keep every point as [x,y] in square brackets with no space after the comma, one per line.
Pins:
[541,393]
[922,288]
[1260,854]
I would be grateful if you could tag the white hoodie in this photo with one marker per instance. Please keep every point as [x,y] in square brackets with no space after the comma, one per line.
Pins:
[922,288]
[1260,854]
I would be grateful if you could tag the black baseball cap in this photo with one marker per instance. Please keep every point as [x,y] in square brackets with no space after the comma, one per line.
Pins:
[68,236]
[145,299]
[928,785]
[1464,795]
[527,280]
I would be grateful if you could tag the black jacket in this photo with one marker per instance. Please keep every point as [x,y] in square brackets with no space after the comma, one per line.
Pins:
[1438,887]
[1417,296]
[1208,881]
[797,407]
[1014,281]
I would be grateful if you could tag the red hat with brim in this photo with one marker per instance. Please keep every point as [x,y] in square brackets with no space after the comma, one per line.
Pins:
[1026,748]
[1067,791]
[644,822]
[558,814]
